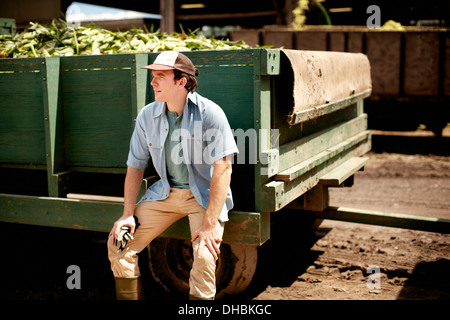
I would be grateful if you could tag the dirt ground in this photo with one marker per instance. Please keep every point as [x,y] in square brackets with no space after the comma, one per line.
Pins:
[350,261]
[341,261]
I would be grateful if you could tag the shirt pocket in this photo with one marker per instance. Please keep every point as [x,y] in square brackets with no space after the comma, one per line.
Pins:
[154,143]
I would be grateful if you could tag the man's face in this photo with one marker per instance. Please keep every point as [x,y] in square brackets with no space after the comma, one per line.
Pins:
[164,85]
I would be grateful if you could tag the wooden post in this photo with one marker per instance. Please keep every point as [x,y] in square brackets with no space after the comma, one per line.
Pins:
[54,138]
[167,11]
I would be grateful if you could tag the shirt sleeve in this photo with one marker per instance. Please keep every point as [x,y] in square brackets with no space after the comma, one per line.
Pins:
[139,154]
[218,136]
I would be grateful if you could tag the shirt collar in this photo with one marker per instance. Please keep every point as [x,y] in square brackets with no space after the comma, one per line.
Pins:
[160,106]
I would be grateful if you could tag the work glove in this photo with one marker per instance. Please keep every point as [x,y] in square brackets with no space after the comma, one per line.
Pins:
[125,236]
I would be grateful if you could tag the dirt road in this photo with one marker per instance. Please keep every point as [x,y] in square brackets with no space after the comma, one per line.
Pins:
[356,261]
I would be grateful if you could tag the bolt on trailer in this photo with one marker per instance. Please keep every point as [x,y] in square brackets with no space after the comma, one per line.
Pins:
[297,117]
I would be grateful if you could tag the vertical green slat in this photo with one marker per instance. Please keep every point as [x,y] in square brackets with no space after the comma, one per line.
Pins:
[54,139]
[142,86]
[262,115]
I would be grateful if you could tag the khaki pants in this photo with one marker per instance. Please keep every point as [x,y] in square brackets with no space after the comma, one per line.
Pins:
[155,217]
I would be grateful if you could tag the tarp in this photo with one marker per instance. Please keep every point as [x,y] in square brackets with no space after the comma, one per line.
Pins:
[324,77]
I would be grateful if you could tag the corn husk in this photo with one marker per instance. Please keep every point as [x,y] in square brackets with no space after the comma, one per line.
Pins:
[60,39]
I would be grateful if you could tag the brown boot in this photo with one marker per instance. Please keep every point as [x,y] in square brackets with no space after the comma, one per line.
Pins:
[128,288]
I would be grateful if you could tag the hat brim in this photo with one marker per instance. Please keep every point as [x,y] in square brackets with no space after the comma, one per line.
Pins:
[158,67]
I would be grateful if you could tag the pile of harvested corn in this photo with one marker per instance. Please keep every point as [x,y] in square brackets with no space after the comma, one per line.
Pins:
[59,39]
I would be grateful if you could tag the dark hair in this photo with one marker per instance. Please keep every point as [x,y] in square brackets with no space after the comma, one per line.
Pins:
[191,83]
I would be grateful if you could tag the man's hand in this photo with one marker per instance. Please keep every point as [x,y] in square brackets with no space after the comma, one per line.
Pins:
[124,237]
[129,222]
[209,238]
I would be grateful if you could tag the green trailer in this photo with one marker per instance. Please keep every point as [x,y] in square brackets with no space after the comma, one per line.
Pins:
[66,122]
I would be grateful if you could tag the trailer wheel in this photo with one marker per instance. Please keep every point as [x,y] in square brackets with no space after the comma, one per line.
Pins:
[170,261]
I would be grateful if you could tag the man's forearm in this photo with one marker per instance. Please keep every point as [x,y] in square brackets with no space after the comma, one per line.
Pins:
[220,183]
[133,181]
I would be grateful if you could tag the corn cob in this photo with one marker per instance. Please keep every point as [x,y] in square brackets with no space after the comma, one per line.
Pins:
[58,39]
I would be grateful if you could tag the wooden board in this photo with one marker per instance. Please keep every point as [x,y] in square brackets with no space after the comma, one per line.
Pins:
[387,219]
[446,84]
[337,176]
[421,63]
[251,37]
[243,227]
[384,53]
[97,114]
[278,39]
[22,133]
[311,40]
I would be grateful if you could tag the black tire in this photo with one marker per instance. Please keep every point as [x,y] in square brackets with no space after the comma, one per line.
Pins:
[170,261]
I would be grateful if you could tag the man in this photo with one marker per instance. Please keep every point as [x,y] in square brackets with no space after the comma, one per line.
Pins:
[190,144]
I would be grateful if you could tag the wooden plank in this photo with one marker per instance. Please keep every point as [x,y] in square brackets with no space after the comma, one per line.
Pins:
[59,212]
[278,39]
[421,63]
[243,227]
[98,95]
[22,138]
[278,194]
[384,53]
[355,41]
[316,199]
[97,117]
[96,62]
[220,58]
[312,113]
[446,70]
[216,58]
[251,37]
[94,197]
[21,65]
[304,176]
[261,121]
[387,219]
[304,148]
[337,176]
[167,11]
[56,170]
[337,41]
[311,40]
[235,95]
[141,85]
[230,15]
[321,158]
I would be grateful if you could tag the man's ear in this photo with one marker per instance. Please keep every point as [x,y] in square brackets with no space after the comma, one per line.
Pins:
[183,82]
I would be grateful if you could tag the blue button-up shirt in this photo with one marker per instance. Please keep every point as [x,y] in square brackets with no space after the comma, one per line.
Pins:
[206,137]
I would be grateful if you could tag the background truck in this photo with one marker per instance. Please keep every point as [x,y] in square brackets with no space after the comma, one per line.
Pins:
[409,67]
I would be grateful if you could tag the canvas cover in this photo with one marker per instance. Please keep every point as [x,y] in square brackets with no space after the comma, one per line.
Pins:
[323,77]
